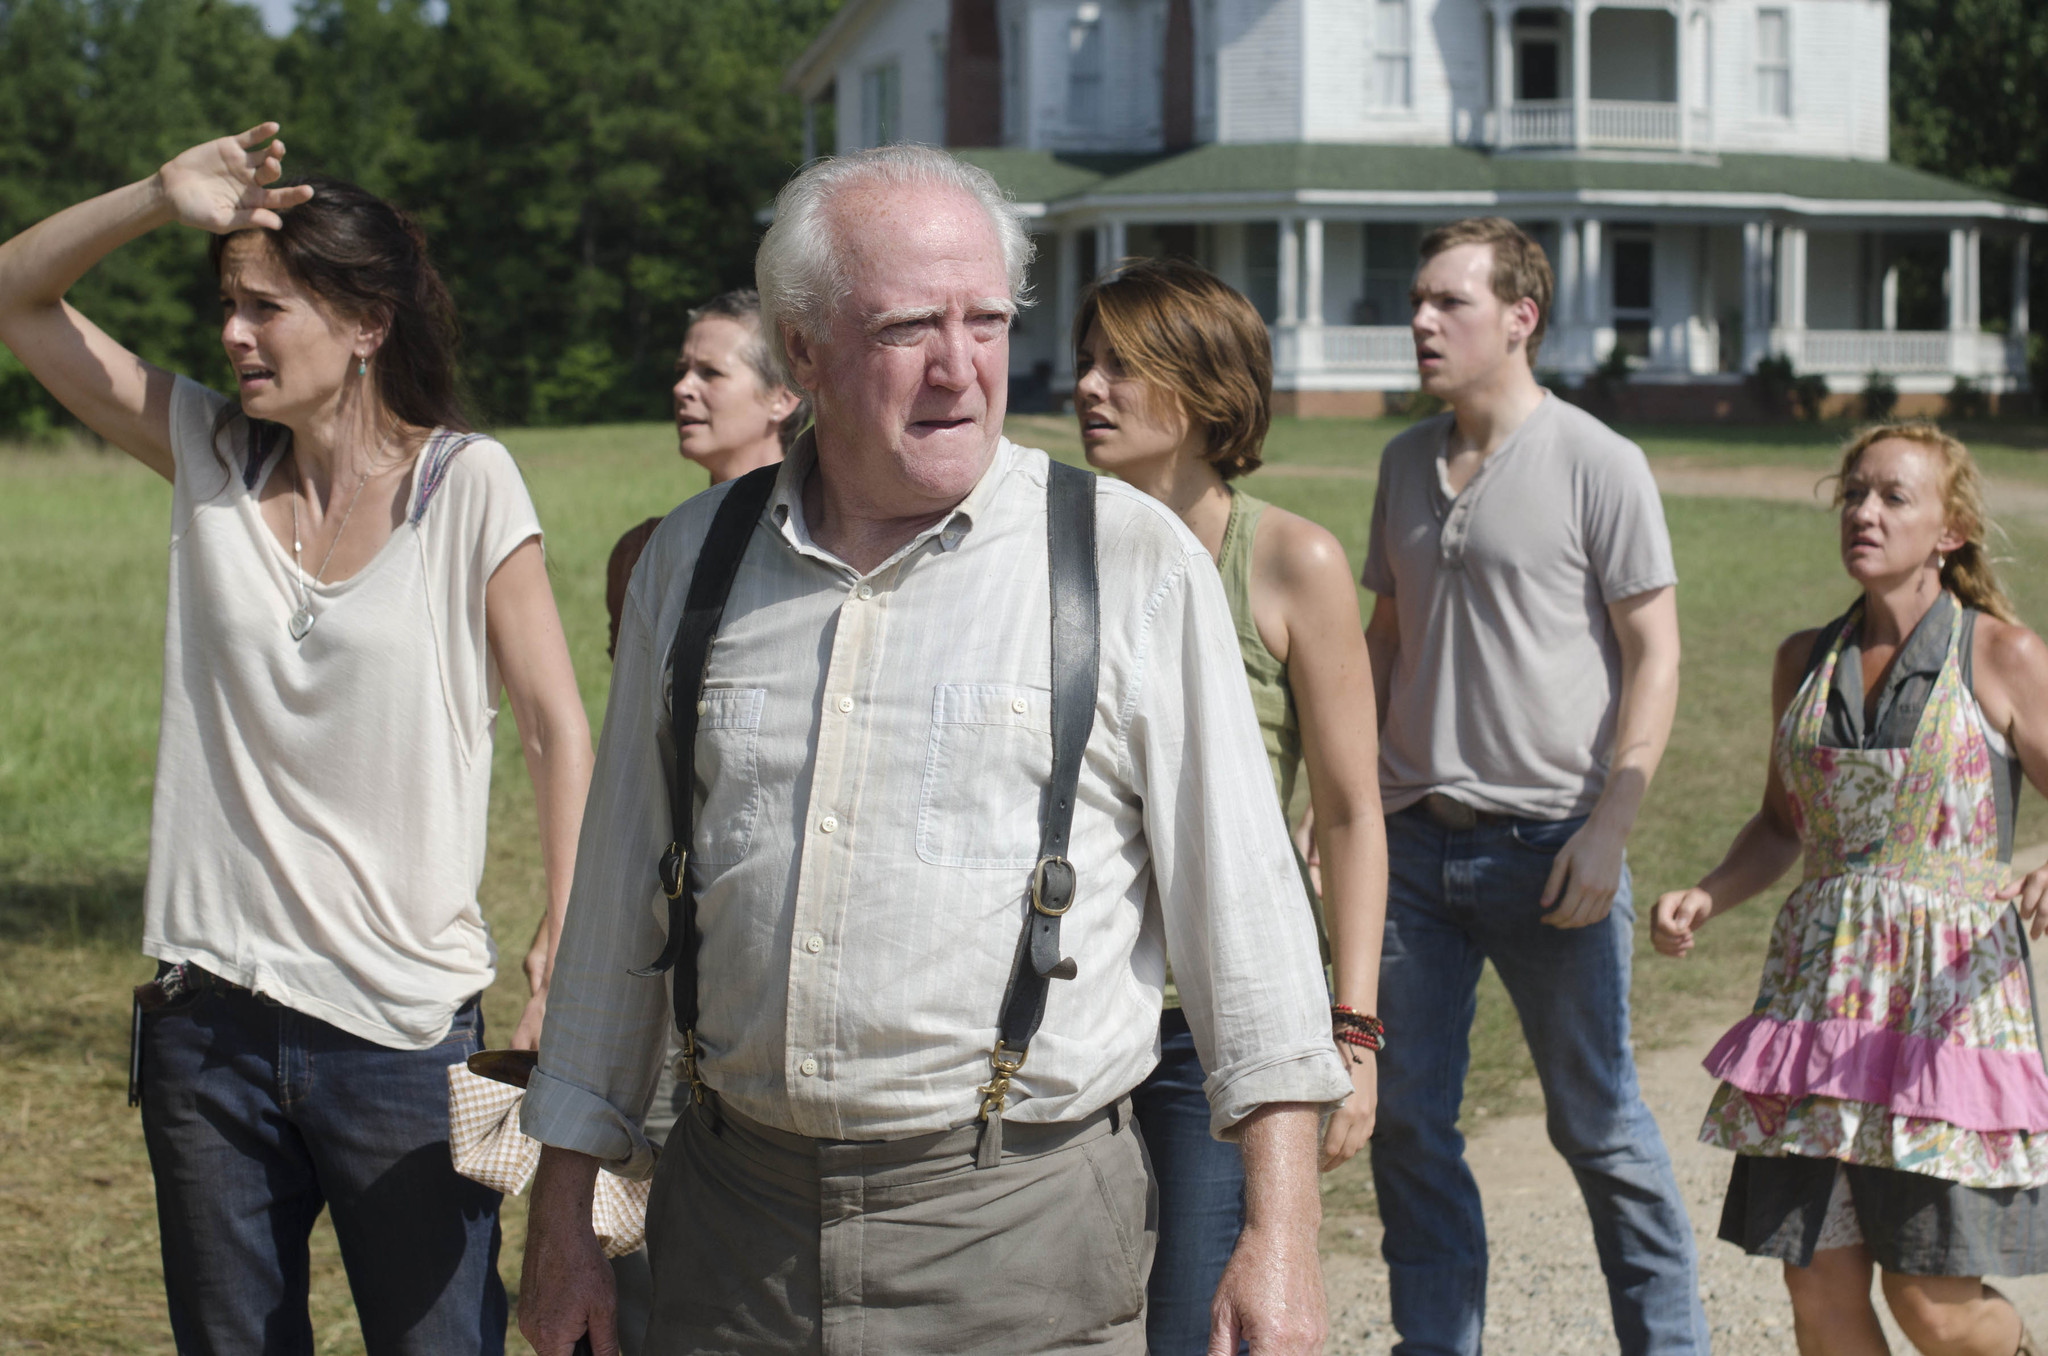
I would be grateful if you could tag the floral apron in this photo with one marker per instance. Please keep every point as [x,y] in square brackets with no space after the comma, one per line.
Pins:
[1894,1026]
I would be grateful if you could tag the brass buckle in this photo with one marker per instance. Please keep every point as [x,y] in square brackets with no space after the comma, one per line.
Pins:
[672,863]
[697,1086]
[1038,886]
[995,1094]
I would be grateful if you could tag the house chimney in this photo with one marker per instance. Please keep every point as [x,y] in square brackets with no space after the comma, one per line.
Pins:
[974,75]
[1177,116]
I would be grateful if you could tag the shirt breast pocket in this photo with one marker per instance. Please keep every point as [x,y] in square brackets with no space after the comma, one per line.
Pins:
[985,775]
[728,775]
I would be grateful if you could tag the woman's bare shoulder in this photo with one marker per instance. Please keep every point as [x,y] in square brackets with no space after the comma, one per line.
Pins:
[2009,653]
[1298,552]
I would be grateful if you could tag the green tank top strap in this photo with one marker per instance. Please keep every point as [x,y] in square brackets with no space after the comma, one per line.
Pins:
[1272,698]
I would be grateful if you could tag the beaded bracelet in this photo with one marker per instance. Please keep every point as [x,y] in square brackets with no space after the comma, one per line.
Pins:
[1351,1027]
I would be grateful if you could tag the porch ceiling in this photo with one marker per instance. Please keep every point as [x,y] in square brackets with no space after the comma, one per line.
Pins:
[1373,175]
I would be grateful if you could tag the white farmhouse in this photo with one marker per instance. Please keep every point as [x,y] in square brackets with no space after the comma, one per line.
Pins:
[1710,177]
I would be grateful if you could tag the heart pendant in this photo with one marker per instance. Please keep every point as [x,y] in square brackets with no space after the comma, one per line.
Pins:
[301,622]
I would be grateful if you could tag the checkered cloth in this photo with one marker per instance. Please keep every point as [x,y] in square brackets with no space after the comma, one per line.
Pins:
[485,1140]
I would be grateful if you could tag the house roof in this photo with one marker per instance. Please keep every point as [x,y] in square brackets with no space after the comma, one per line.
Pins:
[812,70]
[1423,176]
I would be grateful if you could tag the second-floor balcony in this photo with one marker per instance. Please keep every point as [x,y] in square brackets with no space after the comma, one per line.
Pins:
[1616,123]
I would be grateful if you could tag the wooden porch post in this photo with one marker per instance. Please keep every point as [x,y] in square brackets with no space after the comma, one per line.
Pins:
[1582,72]
[1289,271]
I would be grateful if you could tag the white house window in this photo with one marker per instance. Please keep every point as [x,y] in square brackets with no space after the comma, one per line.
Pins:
[881,90]
[1773,64]
[1084,67]
[1390,53]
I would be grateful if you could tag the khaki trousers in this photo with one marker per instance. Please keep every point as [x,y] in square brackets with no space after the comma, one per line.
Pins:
[764,1241]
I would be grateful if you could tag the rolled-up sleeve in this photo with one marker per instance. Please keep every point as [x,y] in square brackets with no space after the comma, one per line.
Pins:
[607,1031]
[1238,923]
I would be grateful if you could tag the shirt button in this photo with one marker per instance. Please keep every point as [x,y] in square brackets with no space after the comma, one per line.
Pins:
[702,707]
[867,591]
[814,944]
[845,704]
[1020,706]
[808,1068]
[829,824]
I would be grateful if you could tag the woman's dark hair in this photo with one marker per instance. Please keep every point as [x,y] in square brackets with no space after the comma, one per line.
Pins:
[368,260]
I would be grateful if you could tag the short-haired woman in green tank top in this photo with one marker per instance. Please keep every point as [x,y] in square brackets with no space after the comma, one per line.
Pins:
[1174,381]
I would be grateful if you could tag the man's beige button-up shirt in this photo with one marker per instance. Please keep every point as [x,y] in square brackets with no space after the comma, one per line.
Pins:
[870,760]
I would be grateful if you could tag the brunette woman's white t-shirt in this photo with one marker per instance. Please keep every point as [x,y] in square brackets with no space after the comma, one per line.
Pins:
[319,821]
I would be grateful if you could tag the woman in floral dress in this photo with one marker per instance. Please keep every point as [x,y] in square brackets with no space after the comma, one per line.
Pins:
[1886,1099]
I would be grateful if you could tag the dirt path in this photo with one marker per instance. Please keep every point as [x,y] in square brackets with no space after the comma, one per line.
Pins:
[1546,1296]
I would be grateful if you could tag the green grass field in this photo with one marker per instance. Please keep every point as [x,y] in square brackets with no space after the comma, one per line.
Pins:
[82,541]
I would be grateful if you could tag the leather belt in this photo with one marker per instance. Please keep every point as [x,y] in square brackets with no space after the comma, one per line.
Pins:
[1455,815]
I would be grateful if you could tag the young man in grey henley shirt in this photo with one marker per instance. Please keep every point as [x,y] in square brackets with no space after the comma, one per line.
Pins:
[1525,651]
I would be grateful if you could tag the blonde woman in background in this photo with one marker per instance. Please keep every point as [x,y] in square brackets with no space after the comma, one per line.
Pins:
[1886,1099]
[1173,389]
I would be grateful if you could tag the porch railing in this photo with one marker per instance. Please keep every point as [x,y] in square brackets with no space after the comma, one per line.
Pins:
[1540,122]
[1609,122]
[1896,352]
[1343,348]
[1617,122]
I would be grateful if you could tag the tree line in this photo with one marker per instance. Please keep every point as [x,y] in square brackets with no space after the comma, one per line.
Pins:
[586,169]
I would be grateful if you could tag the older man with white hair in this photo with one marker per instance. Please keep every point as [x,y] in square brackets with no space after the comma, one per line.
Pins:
[910,855]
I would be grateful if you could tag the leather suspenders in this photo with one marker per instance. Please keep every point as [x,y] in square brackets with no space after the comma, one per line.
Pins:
[718,563]
[1076,658]
[1076,661]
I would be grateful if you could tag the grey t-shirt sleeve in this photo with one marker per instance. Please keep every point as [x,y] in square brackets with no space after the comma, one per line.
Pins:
[1628,545]
[1377,574]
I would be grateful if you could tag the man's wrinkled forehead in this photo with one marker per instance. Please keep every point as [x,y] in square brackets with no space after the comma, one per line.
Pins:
[907,247]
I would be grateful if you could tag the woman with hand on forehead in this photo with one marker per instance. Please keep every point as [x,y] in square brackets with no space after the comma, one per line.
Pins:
[353,576]
[1886,1099]
[1173,388]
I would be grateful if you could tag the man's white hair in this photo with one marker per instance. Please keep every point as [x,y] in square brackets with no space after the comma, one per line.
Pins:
[799,269]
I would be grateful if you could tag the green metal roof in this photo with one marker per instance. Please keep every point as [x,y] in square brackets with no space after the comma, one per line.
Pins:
[1058,179]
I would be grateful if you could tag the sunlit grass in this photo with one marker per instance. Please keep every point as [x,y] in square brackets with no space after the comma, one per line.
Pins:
[82,543]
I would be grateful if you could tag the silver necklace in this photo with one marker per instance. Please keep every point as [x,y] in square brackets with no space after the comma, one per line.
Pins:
[302,620]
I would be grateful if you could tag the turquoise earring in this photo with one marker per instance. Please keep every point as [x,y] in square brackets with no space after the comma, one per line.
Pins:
[362,367]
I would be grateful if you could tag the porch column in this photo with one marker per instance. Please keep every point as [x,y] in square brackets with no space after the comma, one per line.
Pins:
[810,131]
[1888,292]
[1113,241]
[1067,288]
[2021,281]
[1564,307]
[1590,272]
[1756,292]
[1973,291]
[1792,278]
[1312,271]
[1503,70]
[1582,71]
[1290,272]
[1957,280]
[1683,16]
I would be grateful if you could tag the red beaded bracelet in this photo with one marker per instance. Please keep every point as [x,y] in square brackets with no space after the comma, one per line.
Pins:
[1351,1027]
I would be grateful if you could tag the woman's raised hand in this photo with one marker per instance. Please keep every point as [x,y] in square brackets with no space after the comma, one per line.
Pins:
[221,185]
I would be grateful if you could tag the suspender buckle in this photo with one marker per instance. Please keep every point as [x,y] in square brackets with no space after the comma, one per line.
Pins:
[995,1094]
[697,1088]
[1053,885]
[671,871]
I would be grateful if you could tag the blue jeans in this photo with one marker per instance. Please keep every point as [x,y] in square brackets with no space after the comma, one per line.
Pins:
[257,1116]
[1455,900]
[1201,1194]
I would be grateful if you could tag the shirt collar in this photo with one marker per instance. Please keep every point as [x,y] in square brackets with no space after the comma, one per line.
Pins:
[786,504]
